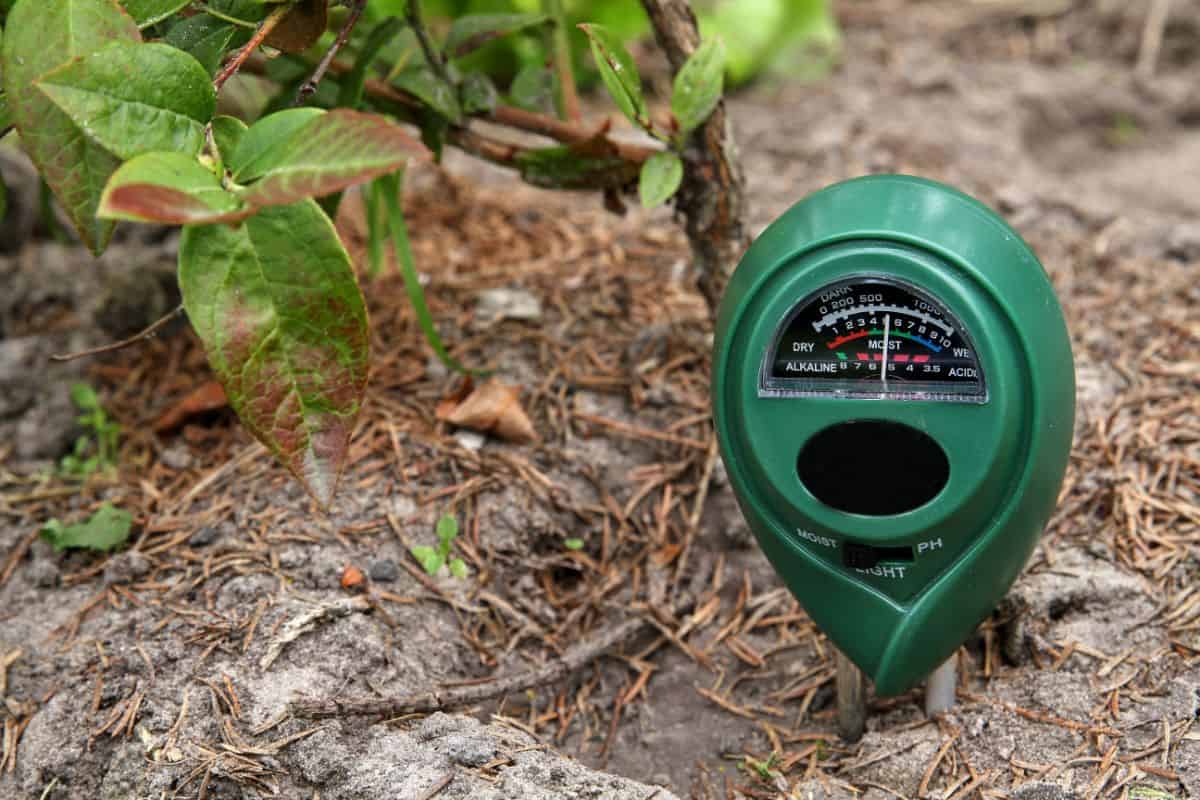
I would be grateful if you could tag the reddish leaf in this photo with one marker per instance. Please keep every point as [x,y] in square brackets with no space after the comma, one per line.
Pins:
[328,154]
[168,187]
[285,328]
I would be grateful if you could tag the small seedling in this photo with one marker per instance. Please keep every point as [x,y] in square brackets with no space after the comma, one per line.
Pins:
[96,450]
[764,769]
[106,529]
[573,544]
[432,559]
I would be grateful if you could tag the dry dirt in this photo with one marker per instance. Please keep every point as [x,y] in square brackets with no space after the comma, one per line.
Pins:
[166,670]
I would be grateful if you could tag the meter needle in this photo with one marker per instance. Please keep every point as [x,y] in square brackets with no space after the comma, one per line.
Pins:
[887,327]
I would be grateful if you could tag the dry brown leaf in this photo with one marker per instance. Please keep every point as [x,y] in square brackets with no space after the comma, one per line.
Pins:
[494,408]
[205,397]
[301,28]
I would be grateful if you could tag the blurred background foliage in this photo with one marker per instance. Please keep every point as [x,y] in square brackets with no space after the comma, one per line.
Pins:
[796,39]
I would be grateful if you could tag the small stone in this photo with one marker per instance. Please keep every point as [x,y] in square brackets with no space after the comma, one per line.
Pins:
[44,574]
[126,567]
[384,571]
[48,428]
[177,458]
[1183,242]
[470,440]
[505,303]
[1042,791]
[435,370]
[470,750]
[204,537]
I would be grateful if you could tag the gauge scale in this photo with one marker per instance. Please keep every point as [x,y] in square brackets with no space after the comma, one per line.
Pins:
[893,395]
[873,337]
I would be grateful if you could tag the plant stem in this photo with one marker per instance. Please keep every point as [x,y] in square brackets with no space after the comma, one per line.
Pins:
[309,87]
[567,99]
[264,30]
[137,337]
[392,187]
[241,23]
[412,13]
[712,197]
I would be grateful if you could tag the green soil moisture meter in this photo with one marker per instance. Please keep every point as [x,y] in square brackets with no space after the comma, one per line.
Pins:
[894,398]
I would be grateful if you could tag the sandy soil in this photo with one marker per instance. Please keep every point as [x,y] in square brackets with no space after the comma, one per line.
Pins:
[166,669]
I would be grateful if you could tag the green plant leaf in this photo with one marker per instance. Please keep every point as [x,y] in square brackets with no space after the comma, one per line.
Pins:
[6,117]
[205,38]
[458,568]
[472,31]
[227,133]
[619,73]
[533,88]
[391,193]
[276,305]
[133,98]
[40,36]
[698,85]
[260,144]
[573,544]
[798,39]
[169,187]
[376,211]
[147,12]
[106,529]
[479,95]
[84,397]
[429,559]
[446,529]
[350,92]
[330,153]
[424,84]
[660,178]
[562,167]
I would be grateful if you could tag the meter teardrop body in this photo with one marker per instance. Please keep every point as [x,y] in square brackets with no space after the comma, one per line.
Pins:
[893,393]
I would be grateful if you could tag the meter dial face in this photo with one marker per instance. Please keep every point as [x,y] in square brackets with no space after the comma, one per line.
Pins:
[873,337]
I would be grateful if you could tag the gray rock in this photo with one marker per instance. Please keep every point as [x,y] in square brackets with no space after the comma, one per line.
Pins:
[125,567]
[1040,790]
[815,790]
[467,749]
[204,537]
[48,429]
[44,573]
[384,570]
[177,457]
[321,757]
[470,440]
[504,303]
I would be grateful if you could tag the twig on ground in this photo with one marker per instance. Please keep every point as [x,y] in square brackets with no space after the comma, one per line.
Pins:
[457,696]
[18,553]
[1152,36]
[296,627]
[137,337]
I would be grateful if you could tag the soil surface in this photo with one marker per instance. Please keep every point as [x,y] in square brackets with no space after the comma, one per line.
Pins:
[167,669]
